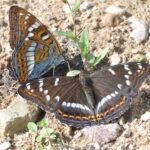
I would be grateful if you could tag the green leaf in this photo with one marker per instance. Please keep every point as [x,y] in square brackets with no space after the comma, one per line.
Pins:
[101,55]
[90,58]
[32,126]
[84,43]
[53,136]
[39,138]
[46,131]
[73,73]
[40,147]
[76,7]
[43,123]
[68,34]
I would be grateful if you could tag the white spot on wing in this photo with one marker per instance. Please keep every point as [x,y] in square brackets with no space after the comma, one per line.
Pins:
[41,84]
[33,44]
[45,92]
[126,76]
[56,81]
[128,82]
[41,89]
[64,104]
[30,29]
[31,49]
[126,67]
[32,90]
[45,37]
[28,86]
[57,98]
[119,86]
[34,26]
[111,71]
[26,39]
[116,92]
[30,34]
[29,54]
[129,72]
[139,65]
[30,67]
[73,105]
[21,14]
[138,70]
[37,23]
[27,17]
[47,97]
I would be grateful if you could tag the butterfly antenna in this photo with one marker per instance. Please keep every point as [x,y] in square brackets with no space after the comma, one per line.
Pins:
[54,70]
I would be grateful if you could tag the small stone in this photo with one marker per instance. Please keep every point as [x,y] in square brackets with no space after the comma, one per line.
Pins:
[66,9]
[15,117]
[146,116]
[140,29]
[111,20]
[127,133]
[115,59]
[5,146]
[115,10]
[86,5]
[79,134]
[72,1]
[122,147]
[132,147]
[95,146]
[105,134]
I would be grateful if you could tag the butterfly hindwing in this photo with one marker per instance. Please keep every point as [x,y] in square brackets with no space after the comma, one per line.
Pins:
[36,49]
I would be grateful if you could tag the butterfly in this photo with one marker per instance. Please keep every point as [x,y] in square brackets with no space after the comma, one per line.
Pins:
[36,50]
[90,98]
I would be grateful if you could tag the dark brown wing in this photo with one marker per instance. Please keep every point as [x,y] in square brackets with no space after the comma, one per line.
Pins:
[115,86]
[62,95]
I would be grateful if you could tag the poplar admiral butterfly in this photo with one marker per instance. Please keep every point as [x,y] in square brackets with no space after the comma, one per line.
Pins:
[36,50]
[90,98]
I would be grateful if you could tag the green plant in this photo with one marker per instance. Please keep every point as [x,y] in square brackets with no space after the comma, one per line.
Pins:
[88,58]
[44,135]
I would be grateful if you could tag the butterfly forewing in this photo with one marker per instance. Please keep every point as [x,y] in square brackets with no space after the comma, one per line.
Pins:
[36,49]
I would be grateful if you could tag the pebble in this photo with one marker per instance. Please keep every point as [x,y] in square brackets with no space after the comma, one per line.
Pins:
[140,29]
[146,116]
[78,135]
[132,147]
[115,10]
[86,5]
[95,146]
[66,9]
[105,134]
[127,133]
[115,59]
[5,146]
[122,147]
[72,1]
[111,20]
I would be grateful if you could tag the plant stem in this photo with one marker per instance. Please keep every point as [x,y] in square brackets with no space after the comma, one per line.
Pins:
[73,18]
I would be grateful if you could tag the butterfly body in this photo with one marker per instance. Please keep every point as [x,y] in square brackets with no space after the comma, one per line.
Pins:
[91,98]
[36,49]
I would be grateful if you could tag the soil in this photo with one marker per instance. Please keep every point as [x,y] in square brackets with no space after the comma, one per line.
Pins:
[51,14]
